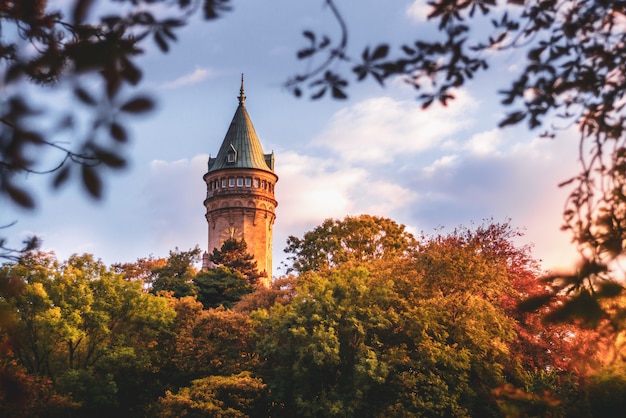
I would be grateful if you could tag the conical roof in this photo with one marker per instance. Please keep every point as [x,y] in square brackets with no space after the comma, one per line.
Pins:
[241,147]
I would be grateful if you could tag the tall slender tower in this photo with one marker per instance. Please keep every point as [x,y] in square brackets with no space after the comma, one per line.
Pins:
[240,183]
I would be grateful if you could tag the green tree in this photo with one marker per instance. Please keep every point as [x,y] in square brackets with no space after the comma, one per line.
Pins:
[221,286]
[358,239]
[92,333]
[322,349]
[354,343]
[234,255]
[177,274]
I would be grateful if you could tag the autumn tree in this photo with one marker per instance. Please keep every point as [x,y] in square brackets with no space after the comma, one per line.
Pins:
[142,270]
[237,396]
[433,330]
[547,363]
[359,239]
[281,291]
[210,342]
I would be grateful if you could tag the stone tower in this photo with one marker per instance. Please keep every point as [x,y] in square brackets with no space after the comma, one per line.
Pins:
[240,199]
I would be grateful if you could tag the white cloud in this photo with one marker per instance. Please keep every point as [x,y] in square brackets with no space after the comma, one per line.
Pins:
[485,143]
[312,189]
[198,75]
[384,198]
[418,11]
[444,163]
[378,130]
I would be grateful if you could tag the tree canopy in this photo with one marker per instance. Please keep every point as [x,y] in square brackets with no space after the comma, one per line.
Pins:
[177,273]
[359,239]
[85,329]
[430,330]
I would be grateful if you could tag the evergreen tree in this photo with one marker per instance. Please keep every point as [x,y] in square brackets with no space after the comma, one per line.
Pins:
[234,254]
[221,286]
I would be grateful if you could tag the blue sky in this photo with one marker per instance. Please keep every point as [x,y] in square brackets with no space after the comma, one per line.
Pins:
[376,153]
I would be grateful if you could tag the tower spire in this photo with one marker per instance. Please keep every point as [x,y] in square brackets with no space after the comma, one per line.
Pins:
[242,97]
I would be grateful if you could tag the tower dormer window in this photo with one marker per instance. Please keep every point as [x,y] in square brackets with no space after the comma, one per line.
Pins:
[231,155]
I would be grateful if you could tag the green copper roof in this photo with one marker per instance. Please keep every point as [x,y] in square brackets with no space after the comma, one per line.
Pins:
[241,147]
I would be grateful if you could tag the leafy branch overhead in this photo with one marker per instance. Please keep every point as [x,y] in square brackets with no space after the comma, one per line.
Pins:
[94,58]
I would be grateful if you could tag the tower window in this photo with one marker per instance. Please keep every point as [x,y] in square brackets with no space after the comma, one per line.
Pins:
[231,182]
[239,181]
[248,182]
[231,154]
[263,185]
[223,183]
[256,183]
